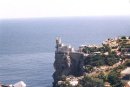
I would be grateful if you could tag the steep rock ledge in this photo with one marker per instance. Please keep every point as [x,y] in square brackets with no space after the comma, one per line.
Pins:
[67,62]
[91,65]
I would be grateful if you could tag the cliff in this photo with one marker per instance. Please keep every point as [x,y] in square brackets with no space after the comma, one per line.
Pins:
[88,62]
[67,62]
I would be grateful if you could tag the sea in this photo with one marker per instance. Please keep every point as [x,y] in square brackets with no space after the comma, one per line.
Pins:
[27,46]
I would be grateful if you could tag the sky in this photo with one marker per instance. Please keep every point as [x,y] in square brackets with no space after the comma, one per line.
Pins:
[63,8]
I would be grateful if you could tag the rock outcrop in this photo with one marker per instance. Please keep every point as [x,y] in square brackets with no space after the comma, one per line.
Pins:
[67,62]
[75,66]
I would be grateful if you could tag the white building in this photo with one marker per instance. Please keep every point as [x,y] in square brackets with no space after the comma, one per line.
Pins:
[60,47]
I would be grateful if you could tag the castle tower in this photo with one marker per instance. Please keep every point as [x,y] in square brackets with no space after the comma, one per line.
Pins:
[58,40]
[58,43]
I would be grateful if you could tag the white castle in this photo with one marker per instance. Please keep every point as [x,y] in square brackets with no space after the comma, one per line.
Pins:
[61,48]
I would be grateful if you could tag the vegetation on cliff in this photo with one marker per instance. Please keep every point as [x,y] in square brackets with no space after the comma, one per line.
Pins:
[86,81]
[112,76]
[101,60]
[98,66]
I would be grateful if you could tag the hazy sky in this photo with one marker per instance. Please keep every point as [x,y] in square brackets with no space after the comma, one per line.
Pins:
[63,8]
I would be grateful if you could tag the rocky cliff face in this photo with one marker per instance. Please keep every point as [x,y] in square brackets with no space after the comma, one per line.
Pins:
[67,64]
[87,66]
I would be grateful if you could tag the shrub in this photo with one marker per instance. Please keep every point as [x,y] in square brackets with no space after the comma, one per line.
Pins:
[114,80]
[91,82]
[123,37]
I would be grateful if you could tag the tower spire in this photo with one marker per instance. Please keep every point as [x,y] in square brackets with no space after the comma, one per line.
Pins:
[58,43]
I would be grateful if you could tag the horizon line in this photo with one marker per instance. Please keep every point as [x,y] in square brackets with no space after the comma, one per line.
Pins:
[98,16]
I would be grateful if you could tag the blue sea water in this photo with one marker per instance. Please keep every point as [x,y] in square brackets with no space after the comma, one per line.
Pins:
[34,69]
[27,45]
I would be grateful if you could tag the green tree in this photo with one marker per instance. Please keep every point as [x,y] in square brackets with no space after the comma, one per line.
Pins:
[91,82]
[114,80]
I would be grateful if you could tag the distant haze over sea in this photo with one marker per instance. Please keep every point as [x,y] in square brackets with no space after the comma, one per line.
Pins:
[38,35]
[27,46]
